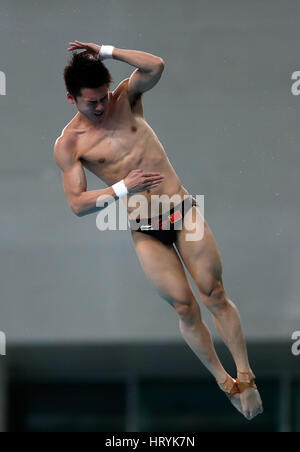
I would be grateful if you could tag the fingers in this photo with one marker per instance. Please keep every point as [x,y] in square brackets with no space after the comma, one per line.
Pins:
[153,179]
[153,182]
[149,179]
[153,185]
[151,174]
[77,45]
[147,174]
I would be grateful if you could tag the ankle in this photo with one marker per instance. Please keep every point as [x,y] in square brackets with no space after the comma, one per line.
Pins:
[245,375]
[225,383]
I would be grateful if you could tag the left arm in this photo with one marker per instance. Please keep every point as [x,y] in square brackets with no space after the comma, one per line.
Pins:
[148,72]
[144,61]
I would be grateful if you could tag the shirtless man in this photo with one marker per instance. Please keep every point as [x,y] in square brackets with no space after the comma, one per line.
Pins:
[111,138]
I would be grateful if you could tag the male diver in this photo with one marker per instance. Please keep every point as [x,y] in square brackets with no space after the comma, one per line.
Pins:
[110,137]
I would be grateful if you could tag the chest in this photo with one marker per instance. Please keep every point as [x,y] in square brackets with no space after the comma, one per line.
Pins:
[115,143]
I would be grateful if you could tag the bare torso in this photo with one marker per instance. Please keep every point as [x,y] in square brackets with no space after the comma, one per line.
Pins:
[124,141]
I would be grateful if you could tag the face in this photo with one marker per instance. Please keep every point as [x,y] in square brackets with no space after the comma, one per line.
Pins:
[92,102]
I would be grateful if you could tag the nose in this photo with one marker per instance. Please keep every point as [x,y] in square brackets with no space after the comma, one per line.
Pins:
[99,109]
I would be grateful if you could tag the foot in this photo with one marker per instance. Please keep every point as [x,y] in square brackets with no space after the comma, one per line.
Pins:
[249,395]
[229,386]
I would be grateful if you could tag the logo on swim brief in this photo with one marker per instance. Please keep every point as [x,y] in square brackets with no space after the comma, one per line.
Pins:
[2,344]
[166,213]
[176,216]
[2,84]
[146,227]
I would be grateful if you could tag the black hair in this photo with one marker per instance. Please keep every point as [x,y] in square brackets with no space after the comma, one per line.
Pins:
[84,71]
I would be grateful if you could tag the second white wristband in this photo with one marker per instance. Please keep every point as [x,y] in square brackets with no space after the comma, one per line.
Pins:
[120,188]
[105,52]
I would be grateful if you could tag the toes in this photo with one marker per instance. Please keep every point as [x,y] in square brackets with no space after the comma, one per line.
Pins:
[252,414]
[247,415]
[259,410]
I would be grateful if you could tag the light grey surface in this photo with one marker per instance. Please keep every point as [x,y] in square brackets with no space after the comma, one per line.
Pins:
[225,114]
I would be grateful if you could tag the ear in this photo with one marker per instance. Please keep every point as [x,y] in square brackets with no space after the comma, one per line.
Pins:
[70,98]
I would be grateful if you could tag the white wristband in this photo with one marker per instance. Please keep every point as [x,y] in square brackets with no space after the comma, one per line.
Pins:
[105,52]
[120,188]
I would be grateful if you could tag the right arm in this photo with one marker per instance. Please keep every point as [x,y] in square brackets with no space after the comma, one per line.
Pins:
[83,202]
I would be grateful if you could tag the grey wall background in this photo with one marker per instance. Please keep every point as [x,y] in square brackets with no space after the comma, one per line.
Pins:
[225,114]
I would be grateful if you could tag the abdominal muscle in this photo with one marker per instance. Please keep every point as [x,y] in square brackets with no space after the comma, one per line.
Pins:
[155,201]
[150,156]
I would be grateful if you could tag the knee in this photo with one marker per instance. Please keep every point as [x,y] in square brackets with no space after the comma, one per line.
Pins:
[216,299]
[188,311]
[189,314]
[184,302]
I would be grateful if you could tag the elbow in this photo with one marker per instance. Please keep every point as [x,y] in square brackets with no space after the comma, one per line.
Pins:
[79,214]
[76,210]
[160,65]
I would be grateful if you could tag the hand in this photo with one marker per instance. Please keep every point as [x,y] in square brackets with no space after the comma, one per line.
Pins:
[90,48]
[138,181]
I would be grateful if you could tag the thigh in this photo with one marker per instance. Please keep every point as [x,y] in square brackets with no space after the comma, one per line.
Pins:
[201,257]
[163,267]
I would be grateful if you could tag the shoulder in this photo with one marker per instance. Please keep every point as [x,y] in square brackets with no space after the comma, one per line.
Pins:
[122,88]
[65,149]
[122,91]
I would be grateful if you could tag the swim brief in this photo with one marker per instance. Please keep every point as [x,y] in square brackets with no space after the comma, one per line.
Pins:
[165,224]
